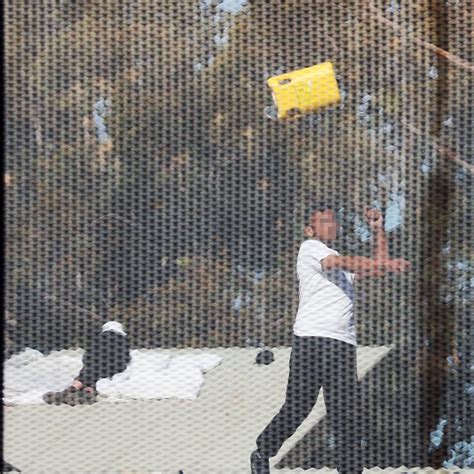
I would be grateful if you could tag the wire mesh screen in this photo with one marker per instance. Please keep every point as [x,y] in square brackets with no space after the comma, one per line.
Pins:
[151,181]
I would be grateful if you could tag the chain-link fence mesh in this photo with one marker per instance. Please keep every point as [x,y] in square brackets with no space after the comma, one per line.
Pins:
[148,181]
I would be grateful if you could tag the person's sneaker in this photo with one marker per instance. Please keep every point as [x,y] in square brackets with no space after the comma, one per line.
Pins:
[87,396]
[7,467]
[71,396]
[57,398]
[259,464]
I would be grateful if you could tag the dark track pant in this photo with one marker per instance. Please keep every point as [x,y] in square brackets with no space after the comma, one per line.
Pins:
[106,354]
[317,362]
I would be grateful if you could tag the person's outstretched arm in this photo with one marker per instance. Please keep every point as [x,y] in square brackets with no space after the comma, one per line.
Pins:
[365,266]
[377,266]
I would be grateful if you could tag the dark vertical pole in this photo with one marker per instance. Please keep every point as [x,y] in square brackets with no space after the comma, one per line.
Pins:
[436,318]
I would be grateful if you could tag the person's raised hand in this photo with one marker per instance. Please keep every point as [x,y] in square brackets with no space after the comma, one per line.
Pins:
[374,218]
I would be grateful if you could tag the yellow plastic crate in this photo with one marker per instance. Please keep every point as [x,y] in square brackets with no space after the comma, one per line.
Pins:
[305,90]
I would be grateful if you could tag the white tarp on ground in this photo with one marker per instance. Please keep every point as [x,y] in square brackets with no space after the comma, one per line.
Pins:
[151,374]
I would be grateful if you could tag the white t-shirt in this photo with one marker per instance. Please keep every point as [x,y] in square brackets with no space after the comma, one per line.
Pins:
[326,297]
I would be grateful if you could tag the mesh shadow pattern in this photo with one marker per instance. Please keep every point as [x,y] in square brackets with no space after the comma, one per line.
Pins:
[148,181]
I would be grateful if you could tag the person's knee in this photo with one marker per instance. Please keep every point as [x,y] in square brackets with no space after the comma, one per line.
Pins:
[297,412]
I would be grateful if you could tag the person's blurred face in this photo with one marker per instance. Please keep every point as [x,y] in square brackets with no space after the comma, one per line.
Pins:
[323,225]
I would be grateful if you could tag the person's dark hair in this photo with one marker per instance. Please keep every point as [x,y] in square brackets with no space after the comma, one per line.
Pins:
[317,207]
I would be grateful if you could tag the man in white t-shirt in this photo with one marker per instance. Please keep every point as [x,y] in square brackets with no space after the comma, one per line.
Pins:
[324,341]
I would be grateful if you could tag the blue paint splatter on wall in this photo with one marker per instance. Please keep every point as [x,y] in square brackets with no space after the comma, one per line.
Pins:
[394,7]
[241,301]
[205,4]
[433,72]
[469,389]
[361,229]
[232,6]
[426,166]
[219,18]
[448,122]
[258,276]
[447,248]
[101,110]
[394,212]
[237,303]
[222,39]
[461,455]
[436,436]
[364,108]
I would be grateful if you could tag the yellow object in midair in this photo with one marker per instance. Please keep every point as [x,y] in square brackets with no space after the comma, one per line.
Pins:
[300,92]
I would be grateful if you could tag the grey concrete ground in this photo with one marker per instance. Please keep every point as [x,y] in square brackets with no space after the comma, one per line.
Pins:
[214,434]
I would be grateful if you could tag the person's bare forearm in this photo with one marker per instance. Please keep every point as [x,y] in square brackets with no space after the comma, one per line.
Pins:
[381,245]
[355,264]
[380,264]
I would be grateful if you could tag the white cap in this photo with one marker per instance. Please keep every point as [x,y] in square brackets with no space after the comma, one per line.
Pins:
[114,326]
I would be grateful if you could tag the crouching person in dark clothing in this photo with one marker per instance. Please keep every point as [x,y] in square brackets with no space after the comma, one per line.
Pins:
[106,353]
